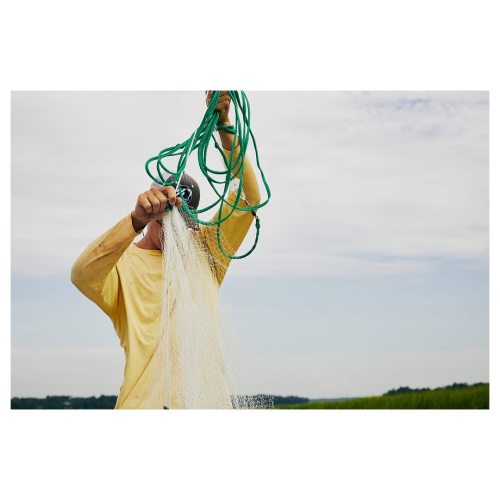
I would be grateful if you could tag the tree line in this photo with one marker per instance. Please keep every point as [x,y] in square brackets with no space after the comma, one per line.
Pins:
[102,402]
[402,390]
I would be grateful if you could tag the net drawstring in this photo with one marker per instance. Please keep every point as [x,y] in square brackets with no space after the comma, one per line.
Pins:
[219,180]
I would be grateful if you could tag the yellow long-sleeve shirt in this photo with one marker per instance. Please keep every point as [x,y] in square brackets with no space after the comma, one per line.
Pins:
[125,281]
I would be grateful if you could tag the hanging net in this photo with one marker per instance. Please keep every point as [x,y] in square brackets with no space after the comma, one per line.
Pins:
[194,365]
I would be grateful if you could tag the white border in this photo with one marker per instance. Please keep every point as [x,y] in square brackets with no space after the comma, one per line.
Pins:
[358,45]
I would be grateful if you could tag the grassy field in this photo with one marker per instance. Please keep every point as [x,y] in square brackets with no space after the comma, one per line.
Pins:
[470,398]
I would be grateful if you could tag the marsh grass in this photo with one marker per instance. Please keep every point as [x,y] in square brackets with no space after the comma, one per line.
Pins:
[468,398]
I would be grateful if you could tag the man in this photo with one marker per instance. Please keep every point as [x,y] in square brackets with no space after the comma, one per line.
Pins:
[125,279]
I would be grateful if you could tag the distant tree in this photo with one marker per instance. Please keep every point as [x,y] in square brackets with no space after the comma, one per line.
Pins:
[289,400]
[64,403]
[455,385]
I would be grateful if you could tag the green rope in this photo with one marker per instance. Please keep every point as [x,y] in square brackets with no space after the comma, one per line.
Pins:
[219,180]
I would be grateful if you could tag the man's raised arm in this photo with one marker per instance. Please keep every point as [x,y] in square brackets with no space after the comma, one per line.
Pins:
[94,272]
[235,228]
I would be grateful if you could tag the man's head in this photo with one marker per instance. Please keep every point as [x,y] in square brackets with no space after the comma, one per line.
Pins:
[190,192]
[188,189]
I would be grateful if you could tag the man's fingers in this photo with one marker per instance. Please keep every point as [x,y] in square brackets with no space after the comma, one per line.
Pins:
[144,202]
[162,198]
[224,104]
[169,193]
[155,202]
[170,196]
[223,96]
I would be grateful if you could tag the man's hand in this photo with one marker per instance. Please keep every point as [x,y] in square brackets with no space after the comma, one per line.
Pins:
[223,104]
[151,205]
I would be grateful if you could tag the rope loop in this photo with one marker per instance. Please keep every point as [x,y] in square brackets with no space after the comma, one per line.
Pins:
[219,180]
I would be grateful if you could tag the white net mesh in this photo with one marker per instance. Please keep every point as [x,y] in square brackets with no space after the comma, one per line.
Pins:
[194,365]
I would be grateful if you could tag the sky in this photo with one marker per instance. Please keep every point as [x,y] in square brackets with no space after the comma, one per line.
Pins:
[372,265]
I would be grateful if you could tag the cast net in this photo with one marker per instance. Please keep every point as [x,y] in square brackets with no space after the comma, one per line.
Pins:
[195,364]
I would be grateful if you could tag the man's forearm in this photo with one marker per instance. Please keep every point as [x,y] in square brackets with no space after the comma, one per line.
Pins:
[227,139]
[249,179]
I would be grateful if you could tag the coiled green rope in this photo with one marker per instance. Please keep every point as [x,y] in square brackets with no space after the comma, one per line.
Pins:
[219,180]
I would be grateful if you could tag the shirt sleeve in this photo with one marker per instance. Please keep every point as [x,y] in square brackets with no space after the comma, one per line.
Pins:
[94,271]
[235,228]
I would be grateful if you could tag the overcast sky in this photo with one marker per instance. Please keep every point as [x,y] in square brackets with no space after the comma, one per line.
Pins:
[372,267]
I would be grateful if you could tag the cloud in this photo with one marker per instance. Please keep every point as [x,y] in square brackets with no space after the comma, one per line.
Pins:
[362,182]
